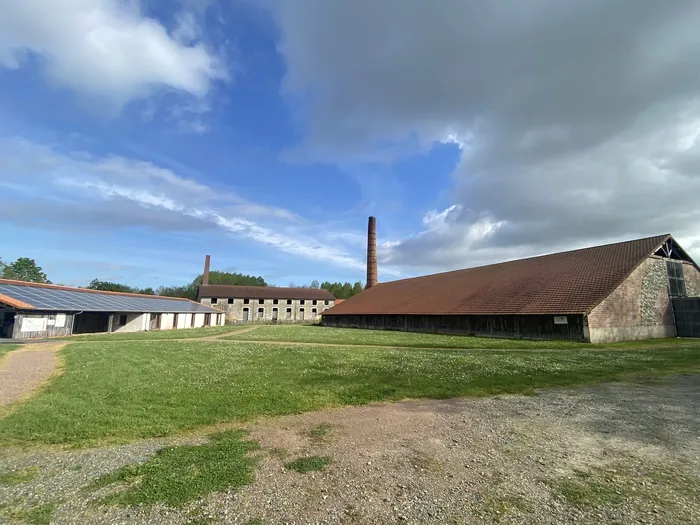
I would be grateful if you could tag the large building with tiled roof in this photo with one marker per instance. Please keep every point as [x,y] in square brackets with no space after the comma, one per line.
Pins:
[617,292]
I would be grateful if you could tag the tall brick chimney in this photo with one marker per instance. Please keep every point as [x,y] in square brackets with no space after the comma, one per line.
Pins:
[205,278]
[371,253]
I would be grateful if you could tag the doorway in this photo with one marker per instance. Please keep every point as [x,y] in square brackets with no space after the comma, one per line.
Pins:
[7,324]
[155,322]
[91,323]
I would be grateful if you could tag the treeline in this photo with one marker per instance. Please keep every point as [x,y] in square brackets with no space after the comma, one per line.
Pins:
[25,269]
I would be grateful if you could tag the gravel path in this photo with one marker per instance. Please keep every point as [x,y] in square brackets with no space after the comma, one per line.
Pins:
[23,370]
[613,453]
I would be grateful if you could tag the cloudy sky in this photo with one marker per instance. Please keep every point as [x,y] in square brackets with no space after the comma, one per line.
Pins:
[138,135]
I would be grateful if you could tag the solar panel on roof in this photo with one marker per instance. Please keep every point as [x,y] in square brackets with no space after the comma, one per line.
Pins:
[75,300]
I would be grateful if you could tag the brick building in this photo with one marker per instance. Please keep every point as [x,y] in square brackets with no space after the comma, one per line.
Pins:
[266,303]
[617,292]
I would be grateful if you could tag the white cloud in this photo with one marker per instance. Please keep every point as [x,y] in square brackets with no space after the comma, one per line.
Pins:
[78,187]
[566,139]
[106,48]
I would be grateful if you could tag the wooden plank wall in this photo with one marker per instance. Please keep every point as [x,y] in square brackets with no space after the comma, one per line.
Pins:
[51,331]
[509,326]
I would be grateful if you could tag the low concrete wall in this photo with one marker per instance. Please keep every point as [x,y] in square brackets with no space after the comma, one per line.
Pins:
[631,333]
[134,323]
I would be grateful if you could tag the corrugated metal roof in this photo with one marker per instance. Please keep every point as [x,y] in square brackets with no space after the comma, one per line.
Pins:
[221,291]
[571,282]
[34,296]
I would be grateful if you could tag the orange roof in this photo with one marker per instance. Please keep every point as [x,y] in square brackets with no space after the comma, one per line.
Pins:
[571,282]
[14,303]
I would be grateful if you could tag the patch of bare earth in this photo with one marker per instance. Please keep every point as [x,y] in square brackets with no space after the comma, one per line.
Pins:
[24,370]
[613,453]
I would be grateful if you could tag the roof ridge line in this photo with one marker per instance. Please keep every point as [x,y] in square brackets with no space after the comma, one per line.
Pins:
[85,290]
[664,236]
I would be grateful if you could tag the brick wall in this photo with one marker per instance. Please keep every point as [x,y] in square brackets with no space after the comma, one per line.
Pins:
[638,309]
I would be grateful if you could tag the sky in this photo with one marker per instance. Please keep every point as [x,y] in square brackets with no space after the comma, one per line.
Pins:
[138,136]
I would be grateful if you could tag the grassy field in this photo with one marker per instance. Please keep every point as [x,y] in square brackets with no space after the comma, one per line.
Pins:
[188,333]
[152,388]
[4,349]
[349,336]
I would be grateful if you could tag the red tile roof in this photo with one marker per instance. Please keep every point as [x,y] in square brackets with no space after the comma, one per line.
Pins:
[571,282]
[263,292]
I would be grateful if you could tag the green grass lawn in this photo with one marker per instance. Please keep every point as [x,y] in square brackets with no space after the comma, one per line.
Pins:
[4,349]
[152,388]
[350,336]
[187,333]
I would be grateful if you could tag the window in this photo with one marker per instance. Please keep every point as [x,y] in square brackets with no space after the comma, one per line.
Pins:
[230,300]
[314,313]
[314,303]
[301,314]
[207,319]
[325,302]
[246,314]
[192,320]
[261,301]
[261,313]
[275,301]
[122,320]
[274,314]
[214,300]
[176,319]
[246,301]
[289,301]
[302,301]
[676,282]
[289,313]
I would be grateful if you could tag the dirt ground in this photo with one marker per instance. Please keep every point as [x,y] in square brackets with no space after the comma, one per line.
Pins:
[22,371]
[613,453]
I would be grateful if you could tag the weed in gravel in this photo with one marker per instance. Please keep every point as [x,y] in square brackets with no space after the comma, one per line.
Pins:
[36,515]
[279,453]
[75,468]
[499,506]
[584,489]
[16,477]
[320,433]
[177,475]
[308,464]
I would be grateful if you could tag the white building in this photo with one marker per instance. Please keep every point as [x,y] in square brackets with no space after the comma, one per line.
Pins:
[32,311]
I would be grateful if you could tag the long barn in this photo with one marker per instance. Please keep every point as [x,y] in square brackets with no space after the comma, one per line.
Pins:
[616,292]
[36,311]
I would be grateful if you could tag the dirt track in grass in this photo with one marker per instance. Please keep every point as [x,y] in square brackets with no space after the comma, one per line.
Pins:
[24,370]
[611,453]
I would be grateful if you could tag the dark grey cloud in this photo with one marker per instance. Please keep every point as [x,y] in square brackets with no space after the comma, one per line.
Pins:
[579,120]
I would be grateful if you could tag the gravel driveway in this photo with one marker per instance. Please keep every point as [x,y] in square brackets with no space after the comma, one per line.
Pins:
[613,453]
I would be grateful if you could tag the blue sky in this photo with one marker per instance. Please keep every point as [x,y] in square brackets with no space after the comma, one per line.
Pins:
[138,136]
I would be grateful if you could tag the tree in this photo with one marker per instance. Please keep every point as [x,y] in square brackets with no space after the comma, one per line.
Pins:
[315,285]
[23,269]
[357,288]
[107,286]
[189,291]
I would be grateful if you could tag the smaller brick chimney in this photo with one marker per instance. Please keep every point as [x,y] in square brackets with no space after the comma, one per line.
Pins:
[371,253]
[205,278]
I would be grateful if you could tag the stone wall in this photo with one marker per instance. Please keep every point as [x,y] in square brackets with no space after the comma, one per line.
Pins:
[288,310]
[639,308]
[691,275]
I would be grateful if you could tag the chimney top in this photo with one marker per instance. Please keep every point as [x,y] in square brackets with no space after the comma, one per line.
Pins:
[205,277]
